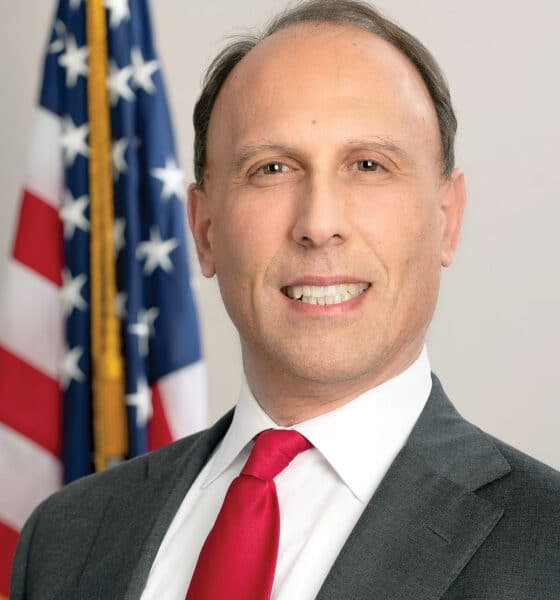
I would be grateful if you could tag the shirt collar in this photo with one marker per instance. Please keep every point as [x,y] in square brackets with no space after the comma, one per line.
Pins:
[359,440]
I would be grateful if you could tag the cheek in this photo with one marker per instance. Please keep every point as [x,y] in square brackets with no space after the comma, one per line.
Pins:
[417,279]
[247,234]
[402,230]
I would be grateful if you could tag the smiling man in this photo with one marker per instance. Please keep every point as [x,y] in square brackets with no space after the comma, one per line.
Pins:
[324,168]
[326,203]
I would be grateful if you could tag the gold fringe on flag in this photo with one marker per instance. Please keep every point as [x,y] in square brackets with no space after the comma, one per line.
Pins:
[109,413]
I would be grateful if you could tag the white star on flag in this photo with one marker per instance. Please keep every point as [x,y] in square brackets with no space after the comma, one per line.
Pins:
[74,61]
[119,11]
[75,4]
[118,235]
[173,179]
[143,332]
[143,71]
[120,304]
[117,82]
[72,214]
[69,369]
[117,155]
[73,140]
[148,317]
[144,328]
[70,293]
[156,252]
[58,44]
[142,400]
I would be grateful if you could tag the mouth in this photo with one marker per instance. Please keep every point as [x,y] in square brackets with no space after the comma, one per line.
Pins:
[325,295]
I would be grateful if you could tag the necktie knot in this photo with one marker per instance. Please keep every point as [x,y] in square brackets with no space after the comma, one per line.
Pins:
[273,451]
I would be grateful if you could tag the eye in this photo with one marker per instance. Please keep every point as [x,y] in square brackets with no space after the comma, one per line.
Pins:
[368,165]
[272,168]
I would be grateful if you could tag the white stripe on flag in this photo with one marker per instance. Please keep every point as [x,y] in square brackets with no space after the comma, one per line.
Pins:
[31,324]
[181,393]
[28,474]
[45,168]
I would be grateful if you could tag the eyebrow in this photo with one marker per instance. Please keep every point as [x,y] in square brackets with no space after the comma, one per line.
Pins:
[249,151]
[376,143]
[382,144]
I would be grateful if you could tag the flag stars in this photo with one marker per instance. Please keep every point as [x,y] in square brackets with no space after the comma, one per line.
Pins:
[71,292]
[118,235]
[173,179]
[73,140]
[144,328]
[57,45]
[74,61]
[117,82]
[120,11]
[142,331]
[69,370]
[142,401]
[156,252]
[142,71]
[72,214]
[148,317]
[118,151]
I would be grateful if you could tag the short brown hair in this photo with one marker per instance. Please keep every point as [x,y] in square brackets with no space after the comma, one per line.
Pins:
[338,12]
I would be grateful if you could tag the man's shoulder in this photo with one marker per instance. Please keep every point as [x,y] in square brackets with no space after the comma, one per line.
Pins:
[529,496]
[475,446]
[520,558]
[111,508]
[119,478]
[529,477]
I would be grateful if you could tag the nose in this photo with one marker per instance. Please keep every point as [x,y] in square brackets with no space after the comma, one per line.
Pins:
[320,218]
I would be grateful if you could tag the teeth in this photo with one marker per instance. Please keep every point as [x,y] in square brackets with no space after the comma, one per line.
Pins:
[323,295]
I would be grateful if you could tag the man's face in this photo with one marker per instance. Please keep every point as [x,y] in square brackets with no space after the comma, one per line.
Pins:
[324,167]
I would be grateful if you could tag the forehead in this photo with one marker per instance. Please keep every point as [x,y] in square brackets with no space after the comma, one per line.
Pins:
[318,74]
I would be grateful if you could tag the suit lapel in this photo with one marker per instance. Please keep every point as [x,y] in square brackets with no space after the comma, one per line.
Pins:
[140,515]
[424,522]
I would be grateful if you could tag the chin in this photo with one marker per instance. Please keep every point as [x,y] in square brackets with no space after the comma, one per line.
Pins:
[328,369]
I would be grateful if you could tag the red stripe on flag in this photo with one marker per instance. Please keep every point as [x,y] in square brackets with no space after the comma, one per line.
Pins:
[159,433]
[8,541]
[31,402]
[39,242]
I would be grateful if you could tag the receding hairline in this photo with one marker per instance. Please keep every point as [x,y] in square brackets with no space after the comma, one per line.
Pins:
[250,148]
[339,14]
[335,27]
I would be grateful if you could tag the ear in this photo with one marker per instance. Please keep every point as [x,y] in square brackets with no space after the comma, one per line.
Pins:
[200,223]
[452,206]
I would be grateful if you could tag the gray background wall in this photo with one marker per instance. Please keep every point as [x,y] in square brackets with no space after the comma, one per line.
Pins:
[495,338]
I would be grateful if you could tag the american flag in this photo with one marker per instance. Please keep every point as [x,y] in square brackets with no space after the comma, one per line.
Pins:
[47,407]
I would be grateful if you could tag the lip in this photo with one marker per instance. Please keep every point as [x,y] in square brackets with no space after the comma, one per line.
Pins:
[327,309]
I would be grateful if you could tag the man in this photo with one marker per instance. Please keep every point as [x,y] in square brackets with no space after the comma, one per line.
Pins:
[326,203]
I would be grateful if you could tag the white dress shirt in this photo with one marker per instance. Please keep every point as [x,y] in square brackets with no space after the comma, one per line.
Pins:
[321,494]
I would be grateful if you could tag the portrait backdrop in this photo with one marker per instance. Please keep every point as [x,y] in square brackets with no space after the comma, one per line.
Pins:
[495,337]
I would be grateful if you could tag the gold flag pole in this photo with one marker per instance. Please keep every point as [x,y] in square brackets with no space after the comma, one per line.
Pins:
[109,413]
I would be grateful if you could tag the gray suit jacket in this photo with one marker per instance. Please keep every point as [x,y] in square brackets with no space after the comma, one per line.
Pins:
[459,516]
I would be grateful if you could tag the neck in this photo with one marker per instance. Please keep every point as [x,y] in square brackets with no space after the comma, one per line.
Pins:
[289,399]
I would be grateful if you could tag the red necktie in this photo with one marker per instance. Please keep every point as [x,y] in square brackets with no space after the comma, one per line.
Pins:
[238,558]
